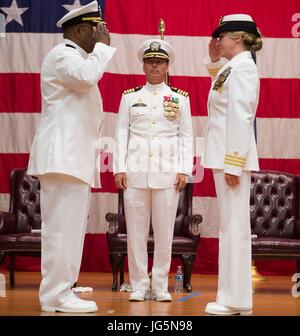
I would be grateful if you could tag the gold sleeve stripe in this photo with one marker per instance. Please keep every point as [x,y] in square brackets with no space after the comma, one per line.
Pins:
[233,164]
[235,158]
[235,161]
[213,72]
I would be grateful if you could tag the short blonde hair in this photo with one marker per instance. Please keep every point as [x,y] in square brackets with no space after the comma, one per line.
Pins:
[251,42]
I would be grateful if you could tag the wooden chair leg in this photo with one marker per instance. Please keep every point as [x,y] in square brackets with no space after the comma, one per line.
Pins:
[188,262]
[12,271]
[122,270]
[115,260]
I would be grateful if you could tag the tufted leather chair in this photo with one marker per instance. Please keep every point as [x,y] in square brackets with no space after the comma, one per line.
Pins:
[16,225]
[274,211]
[185,241]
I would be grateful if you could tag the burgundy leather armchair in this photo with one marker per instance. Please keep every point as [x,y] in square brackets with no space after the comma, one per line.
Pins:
[185,241]
[17,226]
[274,211]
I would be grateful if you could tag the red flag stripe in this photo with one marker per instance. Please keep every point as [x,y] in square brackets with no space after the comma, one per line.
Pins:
[275,18]
[204,188]
[29,100]
[20,92]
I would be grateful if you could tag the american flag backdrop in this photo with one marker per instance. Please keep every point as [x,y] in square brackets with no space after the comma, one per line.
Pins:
[31,32]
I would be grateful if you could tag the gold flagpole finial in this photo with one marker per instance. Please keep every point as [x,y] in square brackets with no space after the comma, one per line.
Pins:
[162,28]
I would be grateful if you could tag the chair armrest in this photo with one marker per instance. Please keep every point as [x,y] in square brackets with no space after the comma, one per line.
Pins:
[195,224]
[192,227]
[116,223]
[8,223]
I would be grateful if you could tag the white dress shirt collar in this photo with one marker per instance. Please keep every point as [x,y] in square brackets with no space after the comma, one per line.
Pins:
[155,87]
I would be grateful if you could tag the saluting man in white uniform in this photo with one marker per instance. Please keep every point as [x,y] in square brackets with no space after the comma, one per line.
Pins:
[153,159]
[65,150]
[230,150]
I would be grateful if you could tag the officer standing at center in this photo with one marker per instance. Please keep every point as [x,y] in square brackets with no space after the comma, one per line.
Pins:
[153,158]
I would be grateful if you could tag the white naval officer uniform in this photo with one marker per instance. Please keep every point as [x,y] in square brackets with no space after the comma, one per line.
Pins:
[230,147]
[143,136]
[64,155]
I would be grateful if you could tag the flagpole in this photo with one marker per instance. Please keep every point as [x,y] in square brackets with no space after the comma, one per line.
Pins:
[161,30]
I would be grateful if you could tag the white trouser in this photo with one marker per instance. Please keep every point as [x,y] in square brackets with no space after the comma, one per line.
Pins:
[161,205]
[64,211]
[235,282]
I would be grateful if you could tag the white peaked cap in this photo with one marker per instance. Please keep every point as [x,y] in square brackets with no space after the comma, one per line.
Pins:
[82,14]
[156,48]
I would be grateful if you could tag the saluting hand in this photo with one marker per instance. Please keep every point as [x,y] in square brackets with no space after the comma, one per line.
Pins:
[121,180]
[101,34]
[180,182]
[214,50]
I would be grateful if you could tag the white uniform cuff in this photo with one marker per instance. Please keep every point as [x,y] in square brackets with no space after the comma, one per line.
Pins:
[233,170]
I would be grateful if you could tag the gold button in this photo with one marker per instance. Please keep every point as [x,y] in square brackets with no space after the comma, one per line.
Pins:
[153,122]
[154,107]
[151,155]
[155,93]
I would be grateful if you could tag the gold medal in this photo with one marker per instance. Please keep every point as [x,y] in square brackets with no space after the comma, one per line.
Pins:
[171,108]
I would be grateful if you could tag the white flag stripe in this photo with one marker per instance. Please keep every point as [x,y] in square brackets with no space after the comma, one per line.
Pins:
[17,131]
[209,209]
[4,202]
[23,126]
[277,58]
[102,203]
[277,137]
[190,52]
[22,54]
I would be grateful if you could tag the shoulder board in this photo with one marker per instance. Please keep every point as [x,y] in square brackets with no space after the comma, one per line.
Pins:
[183,93]
[70,46]
[137,88]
